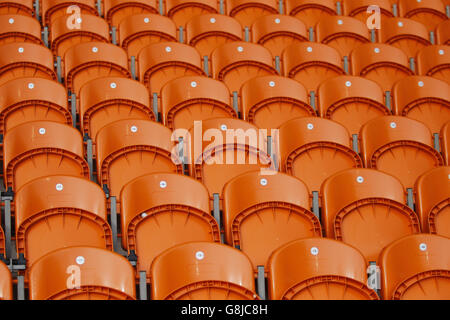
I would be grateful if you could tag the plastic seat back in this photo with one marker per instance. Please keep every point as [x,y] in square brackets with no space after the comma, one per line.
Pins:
[443,33]
[310,12]
[5,282]
[19,28]
[434,61]
[430,12]
[246,12]
[182,11]
[53,9]
[358,9]
[21,7]
[118,10]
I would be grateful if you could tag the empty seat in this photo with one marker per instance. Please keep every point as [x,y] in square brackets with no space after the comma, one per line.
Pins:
[194,98]
[311,63]
[381,63]
[5,283]
[211,271]
[42,148]
[82,273]
[445,142]
[31,99]
[358,9]
[276,32]
[318,269]
[25,59]
[310,11]
[118,10]
[408,35]
[53,9]
[312,149]
[443,33]
[183,11]
[399,146]
[262,213]
[366,209]
[246,12]
[140,30]
[19,28]
[91,60]
[424,99]
[127,149]
[209,31]
[342,33]
[270,101]
[434,61]
[416,268]
[430,12]
[236,62]
[162,210]
[432,192]
[105,100]
[91,29]
[21,7]
[60,211]
[351,101]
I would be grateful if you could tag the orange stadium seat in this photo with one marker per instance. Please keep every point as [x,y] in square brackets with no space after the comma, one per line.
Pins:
[60,211]
[310,11]
[443,32]
[445,142]
[270,101]
[182,11]
[116,11]
[194,98]
[53,9]
[432,192]
[25,59]
[30,151]
[416,268]
[351,101]
[32,99]
[21,7]
[246,12]
[6,292]
[399,146]
[424,99]
[358,8]
[209,31]
[312,149]
[434,61]
[2,243]
[162,210]
[262,213]
[82,273]
[276,32]
[318,269]
[220,273]
[311,63]
[430,12]
[19,28]
[366,209]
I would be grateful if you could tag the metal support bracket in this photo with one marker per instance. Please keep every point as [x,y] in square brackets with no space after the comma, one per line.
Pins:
[261,283]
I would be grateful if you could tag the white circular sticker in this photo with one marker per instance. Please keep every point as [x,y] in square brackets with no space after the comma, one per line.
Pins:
[240,49]
[310,126]
[163,184]
[80,260]
[263,182]
[146,20]
[212,20]
[423,247]
[393,125]
[348,84]
[277,21]
[193,84]
[376,50]
[340,22]
[168,49]
[421,84]
[134,129]
[272,84]
[42,131]
[224,127]
[360,179]
[314,251]
[113,85]
[79,20]
[309,49]
[441,52]
[20,50]
[400,24]
[144,215]
[94,49]
[59,187]
[11,21]
[31,85]
[199,255]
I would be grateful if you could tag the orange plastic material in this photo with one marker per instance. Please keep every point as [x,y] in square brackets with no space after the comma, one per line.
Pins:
[193,98]
[53,9]
[60,211]
[270,101]
[262,213]
[351,101]
[276,32]
[405,34]
[311,63]
[140,30]
[91,29]
[162,210]
[416,268]
[32,99]
[430,12]
[181,11]
[118,10]
[25,59]
[358,9]
[432,192]
[209,31]
[434,61]
[443,33]
[211,271]
[223,148]
[399,146]
[312,149]
[161,62]
[19,28]
[127,149]
[42,148]
[99,273]
[2,243]
[424,99]
[236,62]
[342,33]
[381,63]
[91,60]
[366,208]
[445,142]
[310,11]
[318,269]
[105,100]
[246,12]
[5,283]
[21,7]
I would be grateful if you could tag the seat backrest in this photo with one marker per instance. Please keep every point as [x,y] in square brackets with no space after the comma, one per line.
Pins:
[358,9]
[434,61]
[5,283]
[246,12]
[19,28]
[430,12]
[443,33]
[53,9]
[181,11]
[21,7]
[310,11]
[116,11]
